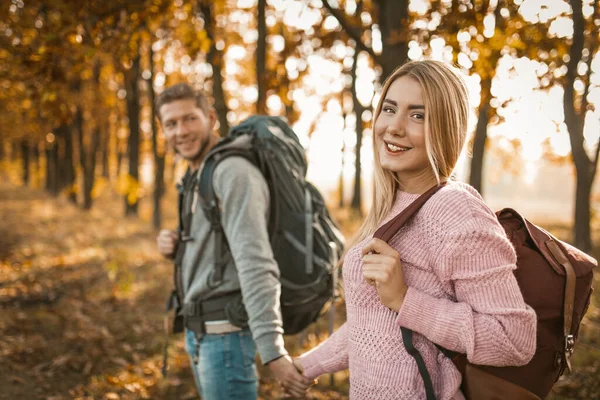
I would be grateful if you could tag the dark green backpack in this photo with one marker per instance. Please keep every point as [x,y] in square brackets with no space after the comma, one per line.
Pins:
[306,242]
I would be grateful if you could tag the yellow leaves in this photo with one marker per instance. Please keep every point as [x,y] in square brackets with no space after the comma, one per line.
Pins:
[112,269]
[99,186]
[202,35]
[130,187]
[205,42]
[73,39]
[497,42]
[283,95]
[73,189]
[26,104]
[48,96]
[205,46]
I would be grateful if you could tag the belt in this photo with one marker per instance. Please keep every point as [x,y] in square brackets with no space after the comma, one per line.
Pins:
[218,327]
[208,316]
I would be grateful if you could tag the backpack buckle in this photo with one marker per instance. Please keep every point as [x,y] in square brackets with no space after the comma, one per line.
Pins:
[186,238]
[569,344]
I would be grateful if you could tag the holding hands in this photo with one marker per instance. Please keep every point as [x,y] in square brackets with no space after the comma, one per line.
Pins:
[383,270]
[289,375]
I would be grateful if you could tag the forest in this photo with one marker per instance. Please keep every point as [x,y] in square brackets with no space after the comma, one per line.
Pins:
[87,178]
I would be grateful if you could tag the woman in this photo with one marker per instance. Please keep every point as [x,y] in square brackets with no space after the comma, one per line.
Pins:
[447,275]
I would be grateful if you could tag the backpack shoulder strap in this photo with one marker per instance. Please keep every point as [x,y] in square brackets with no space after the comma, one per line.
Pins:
[210,206]
[386,233]
[407,336]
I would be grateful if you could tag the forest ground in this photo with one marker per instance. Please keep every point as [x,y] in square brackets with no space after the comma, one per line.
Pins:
[82,303]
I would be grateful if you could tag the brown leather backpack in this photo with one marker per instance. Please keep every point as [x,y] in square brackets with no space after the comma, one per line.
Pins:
[555,279]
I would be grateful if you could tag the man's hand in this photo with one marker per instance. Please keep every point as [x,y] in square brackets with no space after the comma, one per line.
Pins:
[289,377]
[167,242]
[382,269]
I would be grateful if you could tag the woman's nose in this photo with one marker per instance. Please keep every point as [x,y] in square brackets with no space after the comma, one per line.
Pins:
[396,129]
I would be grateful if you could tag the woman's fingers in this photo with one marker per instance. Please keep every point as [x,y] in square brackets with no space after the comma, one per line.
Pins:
[374,276]
[378,246]
[373,259]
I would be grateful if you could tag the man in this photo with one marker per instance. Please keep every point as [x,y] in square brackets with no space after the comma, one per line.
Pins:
[223,354]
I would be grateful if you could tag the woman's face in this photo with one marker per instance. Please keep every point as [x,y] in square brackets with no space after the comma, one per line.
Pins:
[400,130]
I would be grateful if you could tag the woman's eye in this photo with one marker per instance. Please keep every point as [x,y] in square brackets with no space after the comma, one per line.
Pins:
[419,116]
[388,109]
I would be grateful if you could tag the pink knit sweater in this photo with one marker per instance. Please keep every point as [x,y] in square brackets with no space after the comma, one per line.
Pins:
[462,295]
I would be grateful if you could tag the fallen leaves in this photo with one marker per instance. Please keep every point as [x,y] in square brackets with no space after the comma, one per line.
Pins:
[84,305]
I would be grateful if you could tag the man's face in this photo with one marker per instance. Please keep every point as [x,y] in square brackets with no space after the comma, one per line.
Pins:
[187,128]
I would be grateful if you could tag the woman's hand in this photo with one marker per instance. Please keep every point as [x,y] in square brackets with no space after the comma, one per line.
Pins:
[382,269]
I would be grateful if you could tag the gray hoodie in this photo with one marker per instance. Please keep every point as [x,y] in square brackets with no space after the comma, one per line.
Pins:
[244,199]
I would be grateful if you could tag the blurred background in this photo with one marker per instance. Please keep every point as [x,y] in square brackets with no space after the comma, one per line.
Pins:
[86,179]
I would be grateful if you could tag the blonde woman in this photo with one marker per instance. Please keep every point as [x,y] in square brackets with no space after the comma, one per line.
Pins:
[447,275]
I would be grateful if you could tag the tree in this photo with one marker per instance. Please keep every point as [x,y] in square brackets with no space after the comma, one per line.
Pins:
[159,157]
[576,105]
[480,33]
[261,58]
[358,111]
[215,59]
[391,17]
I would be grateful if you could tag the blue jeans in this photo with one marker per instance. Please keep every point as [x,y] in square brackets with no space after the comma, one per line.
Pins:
[224,365]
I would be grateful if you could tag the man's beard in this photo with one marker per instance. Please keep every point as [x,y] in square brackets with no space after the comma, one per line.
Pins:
[200,153]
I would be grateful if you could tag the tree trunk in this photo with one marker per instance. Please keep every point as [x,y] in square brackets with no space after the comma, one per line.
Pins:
[88,155]
[393,22]
[261,58]
[78,122]
[215,59]
[25,161]
[89,173]
[575,124]
[159,159]
[341,181]
[480,138]
[14,151]
[105,154]
[358,111]
[68,168]
[476,174]
[87,159]
[35,154]
[52,167]
[119,146]
[582,230]
[133,144]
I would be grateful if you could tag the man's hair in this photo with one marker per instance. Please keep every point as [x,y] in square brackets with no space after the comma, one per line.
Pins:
[181,91]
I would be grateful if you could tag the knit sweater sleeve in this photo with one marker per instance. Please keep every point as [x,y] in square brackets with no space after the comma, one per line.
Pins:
[330,356]
[489,321]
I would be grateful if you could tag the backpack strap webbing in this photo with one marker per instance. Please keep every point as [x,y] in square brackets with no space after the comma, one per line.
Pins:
[386,233]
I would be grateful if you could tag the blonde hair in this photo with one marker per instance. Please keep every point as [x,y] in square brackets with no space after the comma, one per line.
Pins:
[446,103]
